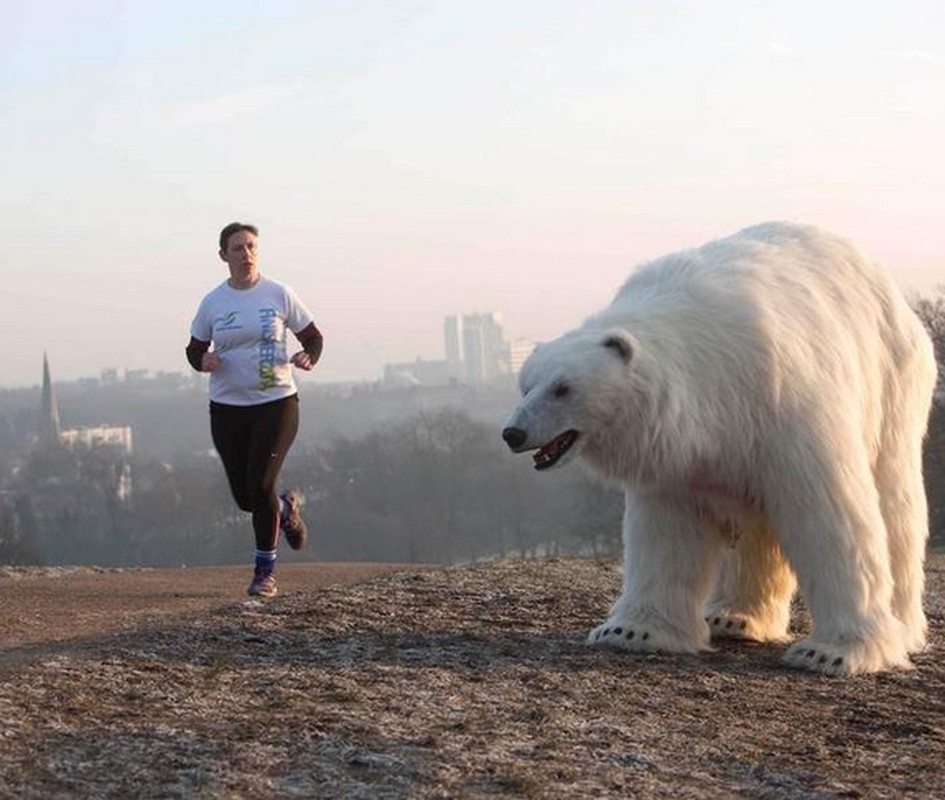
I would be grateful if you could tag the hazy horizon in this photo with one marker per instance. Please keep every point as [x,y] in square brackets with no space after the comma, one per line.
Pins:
[410,159]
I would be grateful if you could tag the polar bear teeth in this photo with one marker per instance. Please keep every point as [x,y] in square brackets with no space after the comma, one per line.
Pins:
[548,455]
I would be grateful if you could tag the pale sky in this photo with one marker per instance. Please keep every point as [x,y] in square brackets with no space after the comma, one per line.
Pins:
[406,160]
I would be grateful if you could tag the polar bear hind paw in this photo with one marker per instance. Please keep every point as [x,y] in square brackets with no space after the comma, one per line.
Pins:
[745,627]
[731,626]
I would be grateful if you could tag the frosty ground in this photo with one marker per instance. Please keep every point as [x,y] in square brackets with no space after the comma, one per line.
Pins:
[457,682]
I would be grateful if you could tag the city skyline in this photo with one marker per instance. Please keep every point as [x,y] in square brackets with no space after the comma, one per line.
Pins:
[518,348]
[406,159]
[477,352]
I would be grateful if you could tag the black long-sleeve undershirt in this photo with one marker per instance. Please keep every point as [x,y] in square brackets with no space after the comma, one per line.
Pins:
[194,352]
[312,341]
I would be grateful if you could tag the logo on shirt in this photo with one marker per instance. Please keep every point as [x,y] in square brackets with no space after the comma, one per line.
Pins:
[268,348]
[227,322]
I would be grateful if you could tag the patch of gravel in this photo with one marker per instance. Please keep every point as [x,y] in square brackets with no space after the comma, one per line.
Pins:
[460,683]
[18,572]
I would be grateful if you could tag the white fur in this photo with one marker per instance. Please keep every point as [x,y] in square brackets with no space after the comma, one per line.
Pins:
[769,391]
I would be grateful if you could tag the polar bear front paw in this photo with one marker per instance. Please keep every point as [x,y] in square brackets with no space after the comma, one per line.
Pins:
[845,658]
[640,637]
[634,638]
[817,657]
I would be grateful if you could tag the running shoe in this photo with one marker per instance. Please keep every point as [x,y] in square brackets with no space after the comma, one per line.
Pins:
[291,522]
[264,584]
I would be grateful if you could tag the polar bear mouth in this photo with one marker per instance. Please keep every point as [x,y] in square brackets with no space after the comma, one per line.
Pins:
[548,455]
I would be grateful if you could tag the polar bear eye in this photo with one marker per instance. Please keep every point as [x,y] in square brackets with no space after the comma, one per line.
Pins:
[562,390]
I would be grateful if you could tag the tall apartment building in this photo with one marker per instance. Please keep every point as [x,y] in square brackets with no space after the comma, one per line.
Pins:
[476,349]
[453,346]
[519,351]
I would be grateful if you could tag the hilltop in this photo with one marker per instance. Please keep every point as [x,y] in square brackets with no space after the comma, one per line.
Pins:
[461,682]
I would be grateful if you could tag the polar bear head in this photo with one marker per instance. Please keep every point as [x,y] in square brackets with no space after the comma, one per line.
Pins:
[584,393]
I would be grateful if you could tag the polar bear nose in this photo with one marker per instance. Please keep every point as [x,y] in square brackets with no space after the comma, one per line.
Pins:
[514,437]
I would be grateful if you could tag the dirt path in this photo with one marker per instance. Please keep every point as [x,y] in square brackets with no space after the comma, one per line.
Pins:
[467,682]
[47,610]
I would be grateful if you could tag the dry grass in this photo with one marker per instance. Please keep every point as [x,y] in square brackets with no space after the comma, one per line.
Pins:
[453,683]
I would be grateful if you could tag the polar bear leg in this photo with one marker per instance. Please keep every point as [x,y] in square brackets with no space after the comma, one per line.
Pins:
[670,560]
[904,508]
[752,596]
[833,533]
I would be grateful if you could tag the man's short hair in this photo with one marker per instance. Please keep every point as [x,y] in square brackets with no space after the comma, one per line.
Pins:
[235,227]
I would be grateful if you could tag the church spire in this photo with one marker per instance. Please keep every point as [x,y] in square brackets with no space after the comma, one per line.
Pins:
[49,423]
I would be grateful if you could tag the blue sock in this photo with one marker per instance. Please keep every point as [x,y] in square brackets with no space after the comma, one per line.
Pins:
[265,559]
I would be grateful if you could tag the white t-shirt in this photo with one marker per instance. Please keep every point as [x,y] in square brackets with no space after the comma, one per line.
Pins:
[248,328]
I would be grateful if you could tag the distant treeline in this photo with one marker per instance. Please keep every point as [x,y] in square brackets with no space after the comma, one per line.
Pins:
[438,487]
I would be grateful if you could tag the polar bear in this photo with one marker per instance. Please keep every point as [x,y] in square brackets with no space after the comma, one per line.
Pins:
[762,400]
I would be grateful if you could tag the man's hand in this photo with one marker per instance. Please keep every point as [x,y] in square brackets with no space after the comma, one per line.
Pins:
[209,362]
[302,360]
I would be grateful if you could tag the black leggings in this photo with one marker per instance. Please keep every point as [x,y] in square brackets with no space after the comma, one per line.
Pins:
[252,442]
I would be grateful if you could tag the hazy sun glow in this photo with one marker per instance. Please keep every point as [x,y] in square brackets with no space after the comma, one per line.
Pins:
[406,160]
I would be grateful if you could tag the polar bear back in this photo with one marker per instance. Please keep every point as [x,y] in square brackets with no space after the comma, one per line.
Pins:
[778,318]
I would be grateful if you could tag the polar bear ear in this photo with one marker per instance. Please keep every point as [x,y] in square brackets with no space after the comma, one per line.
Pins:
[621,343]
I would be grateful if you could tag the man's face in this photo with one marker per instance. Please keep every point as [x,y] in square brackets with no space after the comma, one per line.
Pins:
[240,254]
